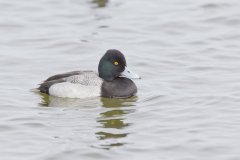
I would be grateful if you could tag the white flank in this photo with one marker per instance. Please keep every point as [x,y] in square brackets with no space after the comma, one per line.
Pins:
[74,90]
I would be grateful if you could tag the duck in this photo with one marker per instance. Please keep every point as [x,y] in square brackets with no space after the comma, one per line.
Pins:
[113,80]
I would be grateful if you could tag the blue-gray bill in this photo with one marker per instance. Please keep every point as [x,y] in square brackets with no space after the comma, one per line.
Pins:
[129,74]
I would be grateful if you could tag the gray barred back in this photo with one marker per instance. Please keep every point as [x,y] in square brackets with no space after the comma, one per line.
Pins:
[85,78]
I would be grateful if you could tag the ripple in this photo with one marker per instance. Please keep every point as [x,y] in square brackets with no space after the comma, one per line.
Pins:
[187,105]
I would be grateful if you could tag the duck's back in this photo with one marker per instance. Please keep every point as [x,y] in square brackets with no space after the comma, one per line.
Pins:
[76,84]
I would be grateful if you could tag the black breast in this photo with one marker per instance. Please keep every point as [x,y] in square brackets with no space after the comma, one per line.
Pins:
[118,88]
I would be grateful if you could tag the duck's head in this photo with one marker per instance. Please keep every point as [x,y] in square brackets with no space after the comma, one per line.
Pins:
[112,65]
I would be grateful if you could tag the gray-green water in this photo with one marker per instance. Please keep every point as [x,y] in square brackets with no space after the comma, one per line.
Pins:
[188,102]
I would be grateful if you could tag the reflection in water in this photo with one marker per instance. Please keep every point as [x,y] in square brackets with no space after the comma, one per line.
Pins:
[50,101]
[111,129]
[44,98]
[101,3]
[112,121]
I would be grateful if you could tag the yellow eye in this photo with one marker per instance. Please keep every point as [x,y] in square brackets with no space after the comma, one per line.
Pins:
[115,63]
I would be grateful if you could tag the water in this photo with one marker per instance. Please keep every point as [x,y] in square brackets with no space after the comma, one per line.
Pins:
[187,53]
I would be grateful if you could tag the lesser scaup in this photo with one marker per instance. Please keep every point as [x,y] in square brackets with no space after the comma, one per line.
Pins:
[113,80]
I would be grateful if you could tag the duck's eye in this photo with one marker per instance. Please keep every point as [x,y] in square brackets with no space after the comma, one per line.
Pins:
[115,63]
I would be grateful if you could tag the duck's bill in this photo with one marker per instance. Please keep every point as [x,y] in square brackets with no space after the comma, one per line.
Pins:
[129,74]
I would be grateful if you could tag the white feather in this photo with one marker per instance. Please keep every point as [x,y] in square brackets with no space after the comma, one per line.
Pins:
[71,90]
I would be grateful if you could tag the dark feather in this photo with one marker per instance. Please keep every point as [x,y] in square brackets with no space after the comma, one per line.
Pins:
[118,88]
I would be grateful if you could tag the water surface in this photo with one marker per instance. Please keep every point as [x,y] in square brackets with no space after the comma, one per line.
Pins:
[187,53]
